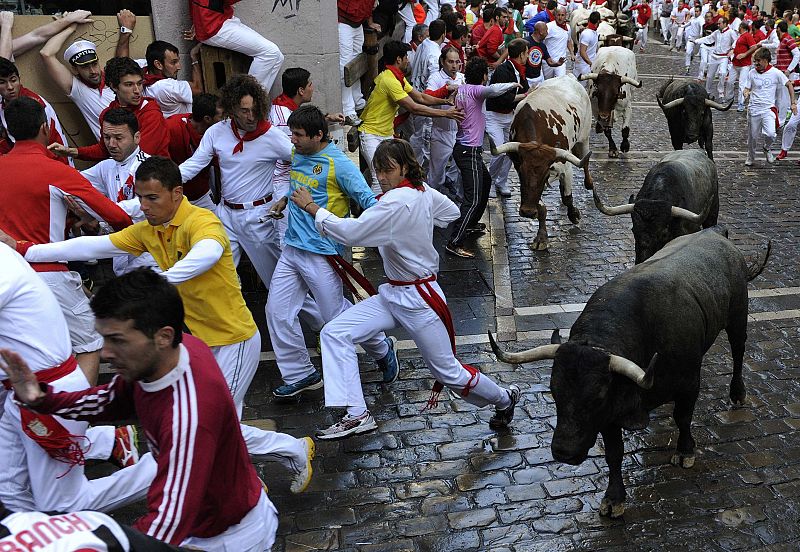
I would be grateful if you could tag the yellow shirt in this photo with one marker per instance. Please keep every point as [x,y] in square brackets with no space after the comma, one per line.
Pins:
[381,109]
[214,308]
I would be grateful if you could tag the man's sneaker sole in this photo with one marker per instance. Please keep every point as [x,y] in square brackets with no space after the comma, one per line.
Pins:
[308,471]
[312,387]
[495,423]
[373,425]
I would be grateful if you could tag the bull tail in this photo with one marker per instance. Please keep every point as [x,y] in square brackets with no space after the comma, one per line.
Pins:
[755,268]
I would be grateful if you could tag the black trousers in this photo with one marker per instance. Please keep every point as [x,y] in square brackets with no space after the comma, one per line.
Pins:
[477,182]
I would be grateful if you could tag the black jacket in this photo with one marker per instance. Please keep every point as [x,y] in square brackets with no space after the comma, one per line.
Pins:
[506,72]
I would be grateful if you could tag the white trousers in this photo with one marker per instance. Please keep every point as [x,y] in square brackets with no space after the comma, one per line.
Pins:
[351,41]
[395,306]
[255,533]
[421,139]
[299,272]
[705,52]
[205,202]
[267,57]
[439,172]
[498,126]
[369,143]
[406,13]
[68,289]
[691,47]
[782,100]
[789,132]
[239,362]
[666,26]
[552,72]
[717,66]
[641,36]
[260,241]
[676,39]
[31,480]
[737,74]
[760,124]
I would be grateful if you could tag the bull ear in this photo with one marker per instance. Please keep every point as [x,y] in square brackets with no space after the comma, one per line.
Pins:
[555,339]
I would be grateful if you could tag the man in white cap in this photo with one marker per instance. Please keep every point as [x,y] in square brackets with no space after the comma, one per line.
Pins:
[83,82]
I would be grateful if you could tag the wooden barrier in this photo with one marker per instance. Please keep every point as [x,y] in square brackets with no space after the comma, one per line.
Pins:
[219,64]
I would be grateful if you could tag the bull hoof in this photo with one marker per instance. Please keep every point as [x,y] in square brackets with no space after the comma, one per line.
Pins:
[574,215]
[738,400]
[598,128]
[613,153]
[540,244]
[625,146]
[684,461]
[613,511]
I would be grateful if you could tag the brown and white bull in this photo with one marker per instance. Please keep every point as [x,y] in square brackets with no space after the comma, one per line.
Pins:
[579,18]
[550,129]
[612,78]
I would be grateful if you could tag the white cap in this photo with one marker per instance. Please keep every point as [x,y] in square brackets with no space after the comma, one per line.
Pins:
[81,52]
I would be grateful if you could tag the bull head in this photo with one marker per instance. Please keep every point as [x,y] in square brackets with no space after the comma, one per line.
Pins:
[533,161]
[679,101]
[627,208]
[616,364]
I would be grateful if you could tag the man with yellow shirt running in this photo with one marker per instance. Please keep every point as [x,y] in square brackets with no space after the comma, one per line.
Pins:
[391,92]
[190,245]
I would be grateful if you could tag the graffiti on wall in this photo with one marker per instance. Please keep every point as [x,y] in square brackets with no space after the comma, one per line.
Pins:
[290,8]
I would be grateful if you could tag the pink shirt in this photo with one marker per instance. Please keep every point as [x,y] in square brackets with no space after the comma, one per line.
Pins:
[470,98]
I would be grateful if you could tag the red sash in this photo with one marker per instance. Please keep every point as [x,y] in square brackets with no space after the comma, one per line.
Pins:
[285,101]
[151,78]
[439,306]
[48,432]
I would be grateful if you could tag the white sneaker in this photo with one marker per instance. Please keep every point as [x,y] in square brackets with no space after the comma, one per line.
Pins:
[770,156]
[748,162]
[349,425]
[301,480]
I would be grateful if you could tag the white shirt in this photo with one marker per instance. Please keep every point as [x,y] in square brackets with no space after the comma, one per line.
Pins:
[278,115]
[91,102]
[247,175]
[31,322]
[529,11]
[694,27]
[763,89]
[589,39]
[723,41]
[735,24]
[437,80]
[556,40]
[172,95]
[426,63]
[400,225]
[680,15]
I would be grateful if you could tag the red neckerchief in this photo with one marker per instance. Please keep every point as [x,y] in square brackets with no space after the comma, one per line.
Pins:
[406,183]
[550,15]
[518,66]
[262,128]
[591,26]
[562,25]
[398,74]
[27,93]
[285,101]
[151,78]
[767,68]
[98,87]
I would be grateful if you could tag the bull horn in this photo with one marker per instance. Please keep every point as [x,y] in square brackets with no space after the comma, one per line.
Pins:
[686,214]
[717,105]
[627,39]
[543,352]
[670,105]
[508,147]
[629,369]
[565,155]
[588,76]
[624,209]
[634,83]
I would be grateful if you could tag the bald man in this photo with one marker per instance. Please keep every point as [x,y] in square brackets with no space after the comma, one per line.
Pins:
[559,44]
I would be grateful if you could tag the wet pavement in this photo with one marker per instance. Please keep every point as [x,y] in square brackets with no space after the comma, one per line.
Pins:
[442,480]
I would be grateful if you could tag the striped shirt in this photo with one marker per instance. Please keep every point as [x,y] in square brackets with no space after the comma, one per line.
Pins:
[205,482]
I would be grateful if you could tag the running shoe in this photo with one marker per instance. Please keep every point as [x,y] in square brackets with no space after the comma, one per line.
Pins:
[503,417]
[349,425]
[308,383]
[389,364]
[301,480]
[125,452]
[459,251]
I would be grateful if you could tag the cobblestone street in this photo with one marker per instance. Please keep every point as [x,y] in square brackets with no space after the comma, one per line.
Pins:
[441,480]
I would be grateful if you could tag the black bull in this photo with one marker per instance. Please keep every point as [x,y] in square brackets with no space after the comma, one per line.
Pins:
[687,107]
[679,196]
[663,314]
